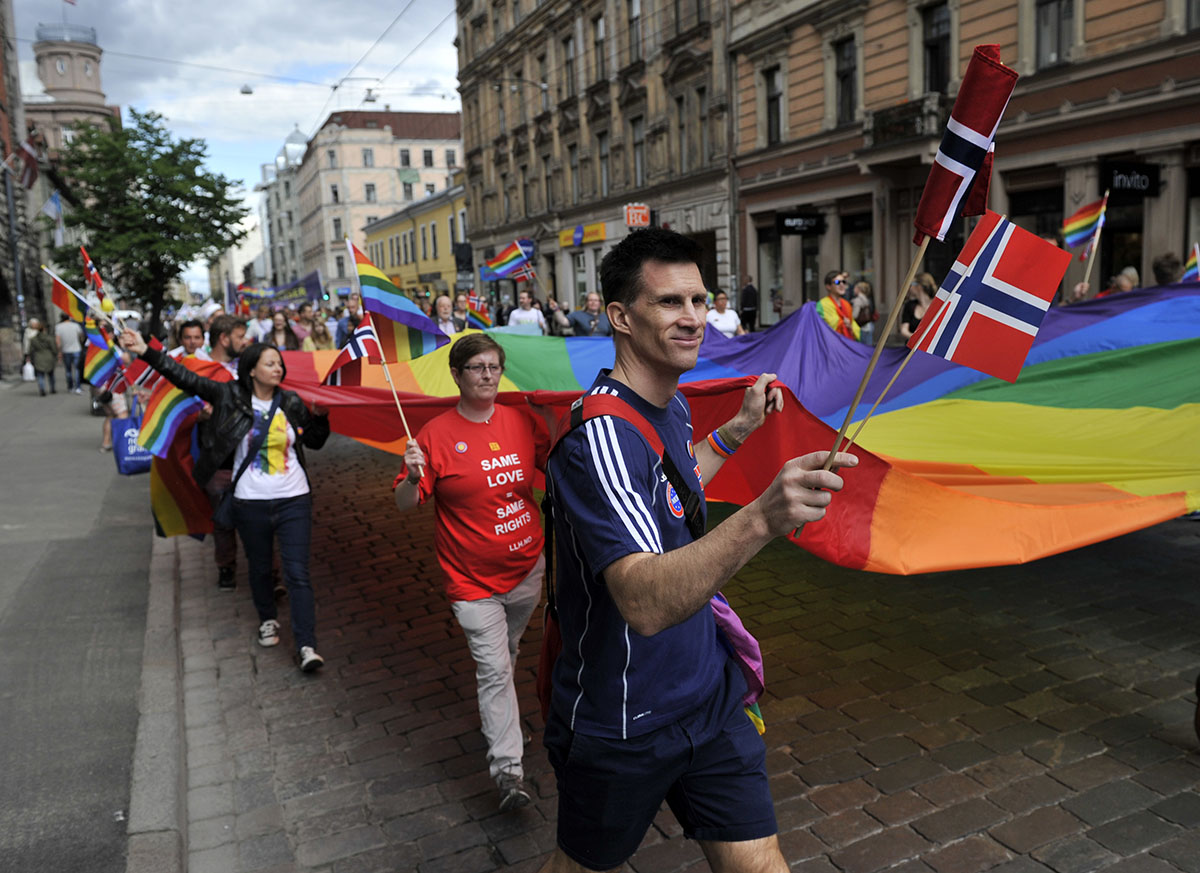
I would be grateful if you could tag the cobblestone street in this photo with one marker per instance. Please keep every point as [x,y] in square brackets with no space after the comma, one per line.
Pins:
[1017,719]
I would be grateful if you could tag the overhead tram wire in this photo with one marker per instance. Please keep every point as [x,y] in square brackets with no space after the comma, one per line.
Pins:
[333,88]
[214,67]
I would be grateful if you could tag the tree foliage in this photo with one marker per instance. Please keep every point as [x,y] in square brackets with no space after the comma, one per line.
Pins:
[148,207]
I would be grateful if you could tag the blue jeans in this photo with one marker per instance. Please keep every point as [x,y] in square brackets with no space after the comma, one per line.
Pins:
[42,378]
[71,365]
[259,522]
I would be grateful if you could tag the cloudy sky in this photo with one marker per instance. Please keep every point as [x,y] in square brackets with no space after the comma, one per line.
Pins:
[189,61]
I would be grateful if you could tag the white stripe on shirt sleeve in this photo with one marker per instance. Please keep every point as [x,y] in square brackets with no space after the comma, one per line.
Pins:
[640,526]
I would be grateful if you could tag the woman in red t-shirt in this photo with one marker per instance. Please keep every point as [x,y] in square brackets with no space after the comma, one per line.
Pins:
[478,461]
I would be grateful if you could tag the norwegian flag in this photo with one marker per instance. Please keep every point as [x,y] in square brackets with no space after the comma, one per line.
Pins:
[990,306]
[963,162]
[91,275]
[522,273]
[476,302]
[139,374]
[363,343]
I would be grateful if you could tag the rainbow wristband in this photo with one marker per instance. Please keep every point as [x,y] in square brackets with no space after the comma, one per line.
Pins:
[719,445]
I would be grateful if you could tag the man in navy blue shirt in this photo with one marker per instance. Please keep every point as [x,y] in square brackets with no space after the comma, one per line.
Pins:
[646,704]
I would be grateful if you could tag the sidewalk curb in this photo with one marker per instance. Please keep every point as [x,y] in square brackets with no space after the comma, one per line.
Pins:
[157,815]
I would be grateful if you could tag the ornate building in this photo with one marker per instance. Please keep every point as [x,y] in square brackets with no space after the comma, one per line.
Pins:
[281,211]
[574,109]
[842,105]
[361,166]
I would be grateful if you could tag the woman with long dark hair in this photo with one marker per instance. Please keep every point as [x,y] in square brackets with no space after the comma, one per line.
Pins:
[266,429]
[282,336]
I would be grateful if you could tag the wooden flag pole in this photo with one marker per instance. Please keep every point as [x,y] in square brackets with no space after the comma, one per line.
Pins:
[878,400]
[387,374]
[87,307]
[893,317]
[1087,273]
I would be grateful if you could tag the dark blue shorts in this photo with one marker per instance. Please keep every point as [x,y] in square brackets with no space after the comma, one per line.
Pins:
[710,767]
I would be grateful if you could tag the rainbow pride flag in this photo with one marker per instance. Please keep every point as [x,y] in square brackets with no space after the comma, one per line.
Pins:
[66,299]
[1191,269]
[166,411]
[404,331]
[478,319]
[99,365]
[1082,225]
[178,503]
[958,469]
[504,264]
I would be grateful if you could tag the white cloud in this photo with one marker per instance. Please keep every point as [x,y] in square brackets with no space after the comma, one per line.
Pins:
[312,40]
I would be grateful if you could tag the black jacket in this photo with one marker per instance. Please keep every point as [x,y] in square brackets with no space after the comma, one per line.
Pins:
[233,415]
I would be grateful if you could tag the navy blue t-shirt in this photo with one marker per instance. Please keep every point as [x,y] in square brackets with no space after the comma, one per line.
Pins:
[612,499]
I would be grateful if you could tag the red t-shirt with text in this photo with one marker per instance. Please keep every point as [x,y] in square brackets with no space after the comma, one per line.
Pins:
[489,533]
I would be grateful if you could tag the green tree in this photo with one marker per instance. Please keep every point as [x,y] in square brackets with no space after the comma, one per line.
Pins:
[148,206]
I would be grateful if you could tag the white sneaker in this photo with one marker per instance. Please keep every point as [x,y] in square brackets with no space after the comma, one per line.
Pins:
[310,660]
[268,633]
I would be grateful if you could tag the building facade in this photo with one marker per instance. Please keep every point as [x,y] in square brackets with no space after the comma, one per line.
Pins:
[842,105]
[280,211]
[572,110]
[361,166]
[68,66]
[416,246]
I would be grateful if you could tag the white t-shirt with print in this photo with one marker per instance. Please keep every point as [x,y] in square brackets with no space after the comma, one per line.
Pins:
[528,316]
[275,472]
[726,322]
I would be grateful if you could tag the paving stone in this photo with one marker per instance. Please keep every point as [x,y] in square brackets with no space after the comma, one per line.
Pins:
[879,851]
[1037,828]
[898,808]
[1182,851]
[1091,771]
[268,852]
[1134,833]
[476,860]
[1141,864]
[958,821]
[847,795]
[1075,854]
[971,855]
[1182,809]
[959,756]
[905,774]
[845,827]
[1109,801]
[1031,793]
[841,767]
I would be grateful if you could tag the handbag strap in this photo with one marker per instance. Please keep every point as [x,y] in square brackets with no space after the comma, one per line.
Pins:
[256,441]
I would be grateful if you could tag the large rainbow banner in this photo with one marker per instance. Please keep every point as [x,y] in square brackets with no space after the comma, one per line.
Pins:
[1096,438]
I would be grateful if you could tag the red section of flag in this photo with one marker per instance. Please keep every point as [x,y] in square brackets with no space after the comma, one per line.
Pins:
[991,304]
[363,343]
[139,373]
[29,157]
[90,274]
[963,154]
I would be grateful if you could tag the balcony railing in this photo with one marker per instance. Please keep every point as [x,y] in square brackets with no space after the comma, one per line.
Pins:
[918,119]
[63,32]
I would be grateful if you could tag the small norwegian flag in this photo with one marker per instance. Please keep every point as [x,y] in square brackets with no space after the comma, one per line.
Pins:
[958,179]
[522,273]
[139,374]
[991,304]
[90,274]
[363,343]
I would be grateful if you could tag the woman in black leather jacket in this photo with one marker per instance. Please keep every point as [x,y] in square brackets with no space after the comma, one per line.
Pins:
[272,497]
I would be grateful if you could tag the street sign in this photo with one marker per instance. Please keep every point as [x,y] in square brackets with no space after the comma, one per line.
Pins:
[637,215]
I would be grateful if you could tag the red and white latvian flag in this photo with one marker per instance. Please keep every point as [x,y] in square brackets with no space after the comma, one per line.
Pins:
[990,306]
[363,343]
[29,158]
[958,181]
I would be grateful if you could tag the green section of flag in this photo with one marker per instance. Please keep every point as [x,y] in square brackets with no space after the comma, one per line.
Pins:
[537,361]
[1160,375]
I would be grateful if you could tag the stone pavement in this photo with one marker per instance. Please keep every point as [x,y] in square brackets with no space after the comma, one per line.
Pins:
[1017,719]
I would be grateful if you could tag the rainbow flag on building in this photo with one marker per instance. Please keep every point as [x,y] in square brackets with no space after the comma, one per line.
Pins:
[1081,226]
[404,331]
[1191,269]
